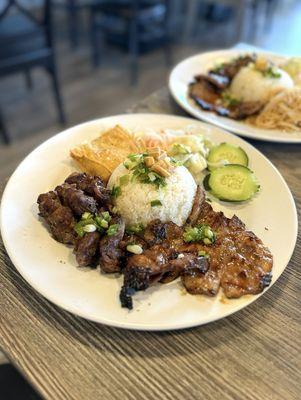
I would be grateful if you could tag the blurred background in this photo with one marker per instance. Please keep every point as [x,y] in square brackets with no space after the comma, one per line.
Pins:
[68,61]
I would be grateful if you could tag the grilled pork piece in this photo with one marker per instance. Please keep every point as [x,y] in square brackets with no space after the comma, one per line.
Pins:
[204,92]
[76,199]
[87,249]
[109,249]
[185,264]
[196,281]
[59,218]
[158,232]
[208,99]
[238,257]
[91,185]
[142,270]
[244,109]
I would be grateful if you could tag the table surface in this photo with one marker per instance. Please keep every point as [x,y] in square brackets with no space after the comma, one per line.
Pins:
[254,354]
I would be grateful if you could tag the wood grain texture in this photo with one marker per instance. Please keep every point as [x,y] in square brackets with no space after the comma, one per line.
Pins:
[252,355]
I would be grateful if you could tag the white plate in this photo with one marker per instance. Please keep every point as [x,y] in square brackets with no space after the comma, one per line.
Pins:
[184,73]
[50,266]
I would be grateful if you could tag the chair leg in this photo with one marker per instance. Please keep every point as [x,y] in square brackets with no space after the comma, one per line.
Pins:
[134,50]
[94,40]
[270,9]
[56,89]
[73,23]
[3,130]
[167,39]
[28,79]
[241,17]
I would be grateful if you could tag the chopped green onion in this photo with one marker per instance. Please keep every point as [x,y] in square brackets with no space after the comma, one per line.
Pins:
[272,73]
[89,228]
[106,215]
[116,191]
[228,100]
[87,215]
[203,253]
[112,229]
[104,224]
[124,180]
[134,248]
[79,227]
[179,148]
[79,230]
[156,203]
[152,176]
[138,228]
[127,164]
[141,172]
[134,157]
[199,233]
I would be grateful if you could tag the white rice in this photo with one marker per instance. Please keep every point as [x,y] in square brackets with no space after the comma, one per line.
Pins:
[134,202]
[250,84]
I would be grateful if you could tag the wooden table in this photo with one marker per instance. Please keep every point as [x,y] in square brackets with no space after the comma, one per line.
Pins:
[252,355]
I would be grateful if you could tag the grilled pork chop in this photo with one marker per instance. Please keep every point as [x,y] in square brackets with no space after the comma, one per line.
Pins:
[238,258]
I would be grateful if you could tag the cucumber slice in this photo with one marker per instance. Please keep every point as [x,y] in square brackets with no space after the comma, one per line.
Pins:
[233,182]
[226,152]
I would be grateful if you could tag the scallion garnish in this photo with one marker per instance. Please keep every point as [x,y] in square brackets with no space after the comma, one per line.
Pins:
[116,191]
[199,233]
[156,203]
[136,228]
[92,222]
[112,230]
[271,73]
[124,180]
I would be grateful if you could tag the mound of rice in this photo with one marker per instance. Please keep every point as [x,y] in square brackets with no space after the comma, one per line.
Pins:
[249,84]
[134,202]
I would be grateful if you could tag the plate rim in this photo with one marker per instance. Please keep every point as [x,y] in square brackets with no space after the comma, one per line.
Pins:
[112,322]
[194,111]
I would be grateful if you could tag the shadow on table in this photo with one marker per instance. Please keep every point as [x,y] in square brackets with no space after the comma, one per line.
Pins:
[13,386]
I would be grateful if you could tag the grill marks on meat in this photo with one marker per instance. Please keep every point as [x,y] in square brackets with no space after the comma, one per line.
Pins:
[143,270]
[109,248]
[187,265]
[206,91]
[158,232]
[59,218]
[238,257]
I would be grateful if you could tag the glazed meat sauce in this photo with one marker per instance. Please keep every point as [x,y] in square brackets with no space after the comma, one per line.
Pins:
[206,91]
[237,261]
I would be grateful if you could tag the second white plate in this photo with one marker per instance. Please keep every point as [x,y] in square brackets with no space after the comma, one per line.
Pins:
[184,73]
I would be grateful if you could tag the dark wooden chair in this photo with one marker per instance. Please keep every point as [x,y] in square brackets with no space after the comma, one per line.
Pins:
[26,42]
[73,9]
[135,24]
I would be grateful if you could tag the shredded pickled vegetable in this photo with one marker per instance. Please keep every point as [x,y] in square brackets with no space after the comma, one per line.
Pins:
[282,112]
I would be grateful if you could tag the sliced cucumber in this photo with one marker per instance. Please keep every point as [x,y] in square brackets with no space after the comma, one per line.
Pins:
[226,152]
[233,182]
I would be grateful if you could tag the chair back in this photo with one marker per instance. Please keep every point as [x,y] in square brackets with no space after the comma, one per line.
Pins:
[34,13]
